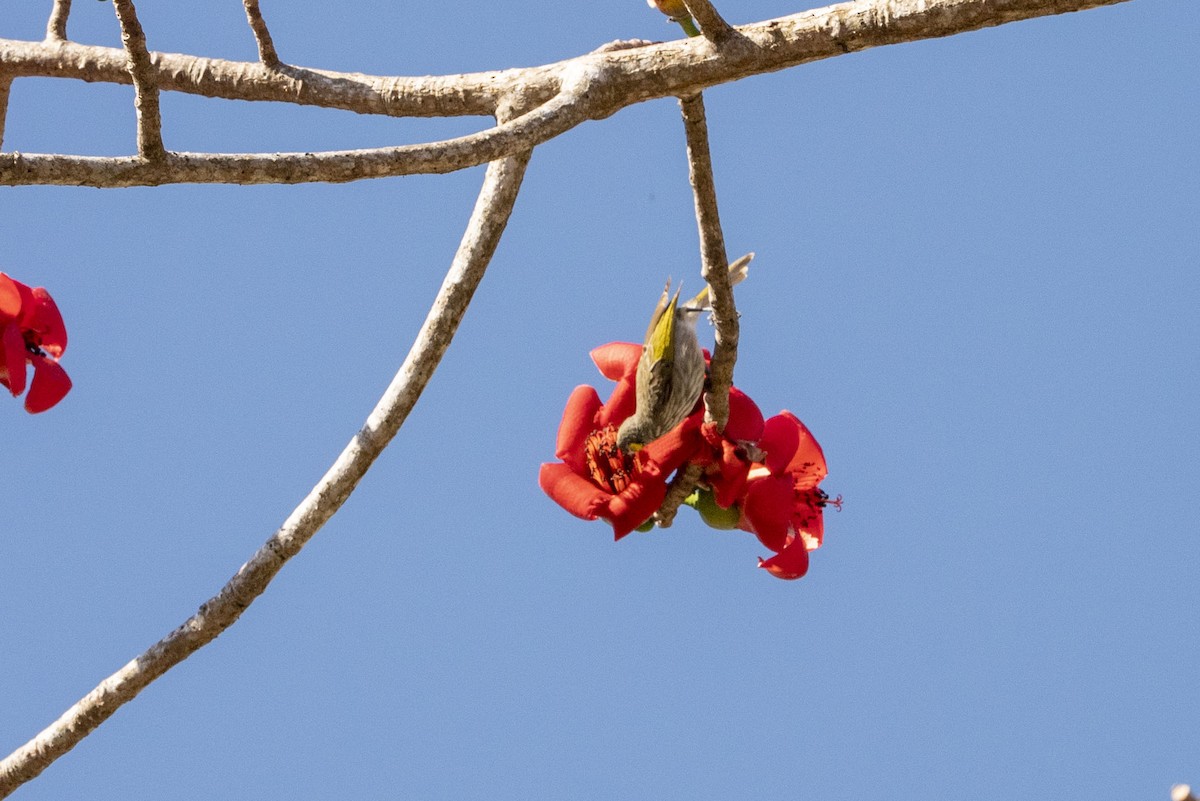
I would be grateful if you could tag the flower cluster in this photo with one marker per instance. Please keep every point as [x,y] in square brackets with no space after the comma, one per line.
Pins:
[31,333]
[758,475]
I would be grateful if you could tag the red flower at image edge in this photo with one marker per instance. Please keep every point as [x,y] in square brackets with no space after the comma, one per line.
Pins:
[596,480]
[783,505]
[31,333]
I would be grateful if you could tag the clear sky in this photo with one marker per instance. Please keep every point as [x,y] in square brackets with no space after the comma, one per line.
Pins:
[977,281]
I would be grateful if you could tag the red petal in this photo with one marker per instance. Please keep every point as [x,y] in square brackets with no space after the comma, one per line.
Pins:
[622,403]
[768,510]
[43,317]
[12,358]
[634,506]
[808,461]
[572,491]
[745,418]
[780,437]
[617,359]
[10,299]
[50,385]
[667,453]
[790,563]
[808,516]
[578,421]
[728,477]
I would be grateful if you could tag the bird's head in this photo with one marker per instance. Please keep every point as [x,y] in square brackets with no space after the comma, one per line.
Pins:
[630,437]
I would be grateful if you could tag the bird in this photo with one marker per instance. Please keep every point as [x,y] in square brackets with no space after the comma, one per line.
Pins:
[671,370]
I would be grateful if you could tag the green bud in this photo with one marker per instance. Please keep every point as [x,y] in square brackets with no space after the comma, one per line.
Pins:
[713,515]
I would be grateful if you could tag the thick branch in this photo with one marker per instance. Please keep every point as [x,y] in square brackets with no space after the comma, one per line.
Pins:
[714,262]
[574,104]
[712,25]
[632,75]
[145,82]
[262,36]
[488,221]
[56,26]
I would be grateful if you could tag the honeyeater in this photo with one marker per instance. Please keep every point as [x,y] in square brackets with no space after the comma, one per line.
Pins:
[671,370]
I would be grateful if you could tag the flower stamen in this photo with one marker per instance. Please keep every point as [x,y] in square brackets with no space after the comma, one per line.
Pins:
[609,467]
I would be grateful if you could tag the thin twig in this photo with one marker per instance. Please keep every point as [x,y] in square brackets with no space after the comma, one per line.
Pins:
[266,47]
[715,264]
[712,25]
[5,85]
[145,83]
[573,105]
[56,26]
[492,210]
[681,486]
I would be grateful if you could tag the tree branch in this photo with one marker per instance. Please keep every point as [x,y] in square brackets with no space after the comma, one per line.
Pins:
[715,270]
[262,36]
[446,96]
[574,104]
[487,223]
[630,75]
[1182,792]
[712,24]
[714,262]
[56,26]
[681,486]
[145,85]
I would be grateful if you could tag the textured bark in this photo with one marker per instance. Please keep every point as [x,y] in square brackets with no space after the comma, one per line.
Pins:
[712,25]
[56,26]
[617,78]
[262,36]
[145,83]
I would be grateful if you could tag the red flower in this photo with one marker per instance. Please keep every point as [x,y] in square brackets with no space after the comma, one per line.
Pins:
[777,498]
[726,462]
[31,332]
[595,479]
[783,505]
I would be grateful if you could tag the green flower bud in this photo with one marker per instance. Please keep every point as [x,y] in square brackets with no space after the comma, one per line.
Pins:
[716,517]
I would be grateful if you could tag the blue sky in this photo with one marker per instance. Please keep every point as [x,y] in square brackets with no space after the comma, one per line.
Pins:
[977,280]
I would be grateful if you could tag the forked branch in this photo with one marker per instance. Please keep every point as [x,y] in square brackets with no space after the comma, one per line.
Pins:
[623,77]
[491,214]
[575,103]
[565,94]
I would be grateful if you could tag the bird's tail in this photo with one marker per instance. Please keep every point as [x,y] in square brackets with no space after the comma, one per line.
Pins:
[737,273]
